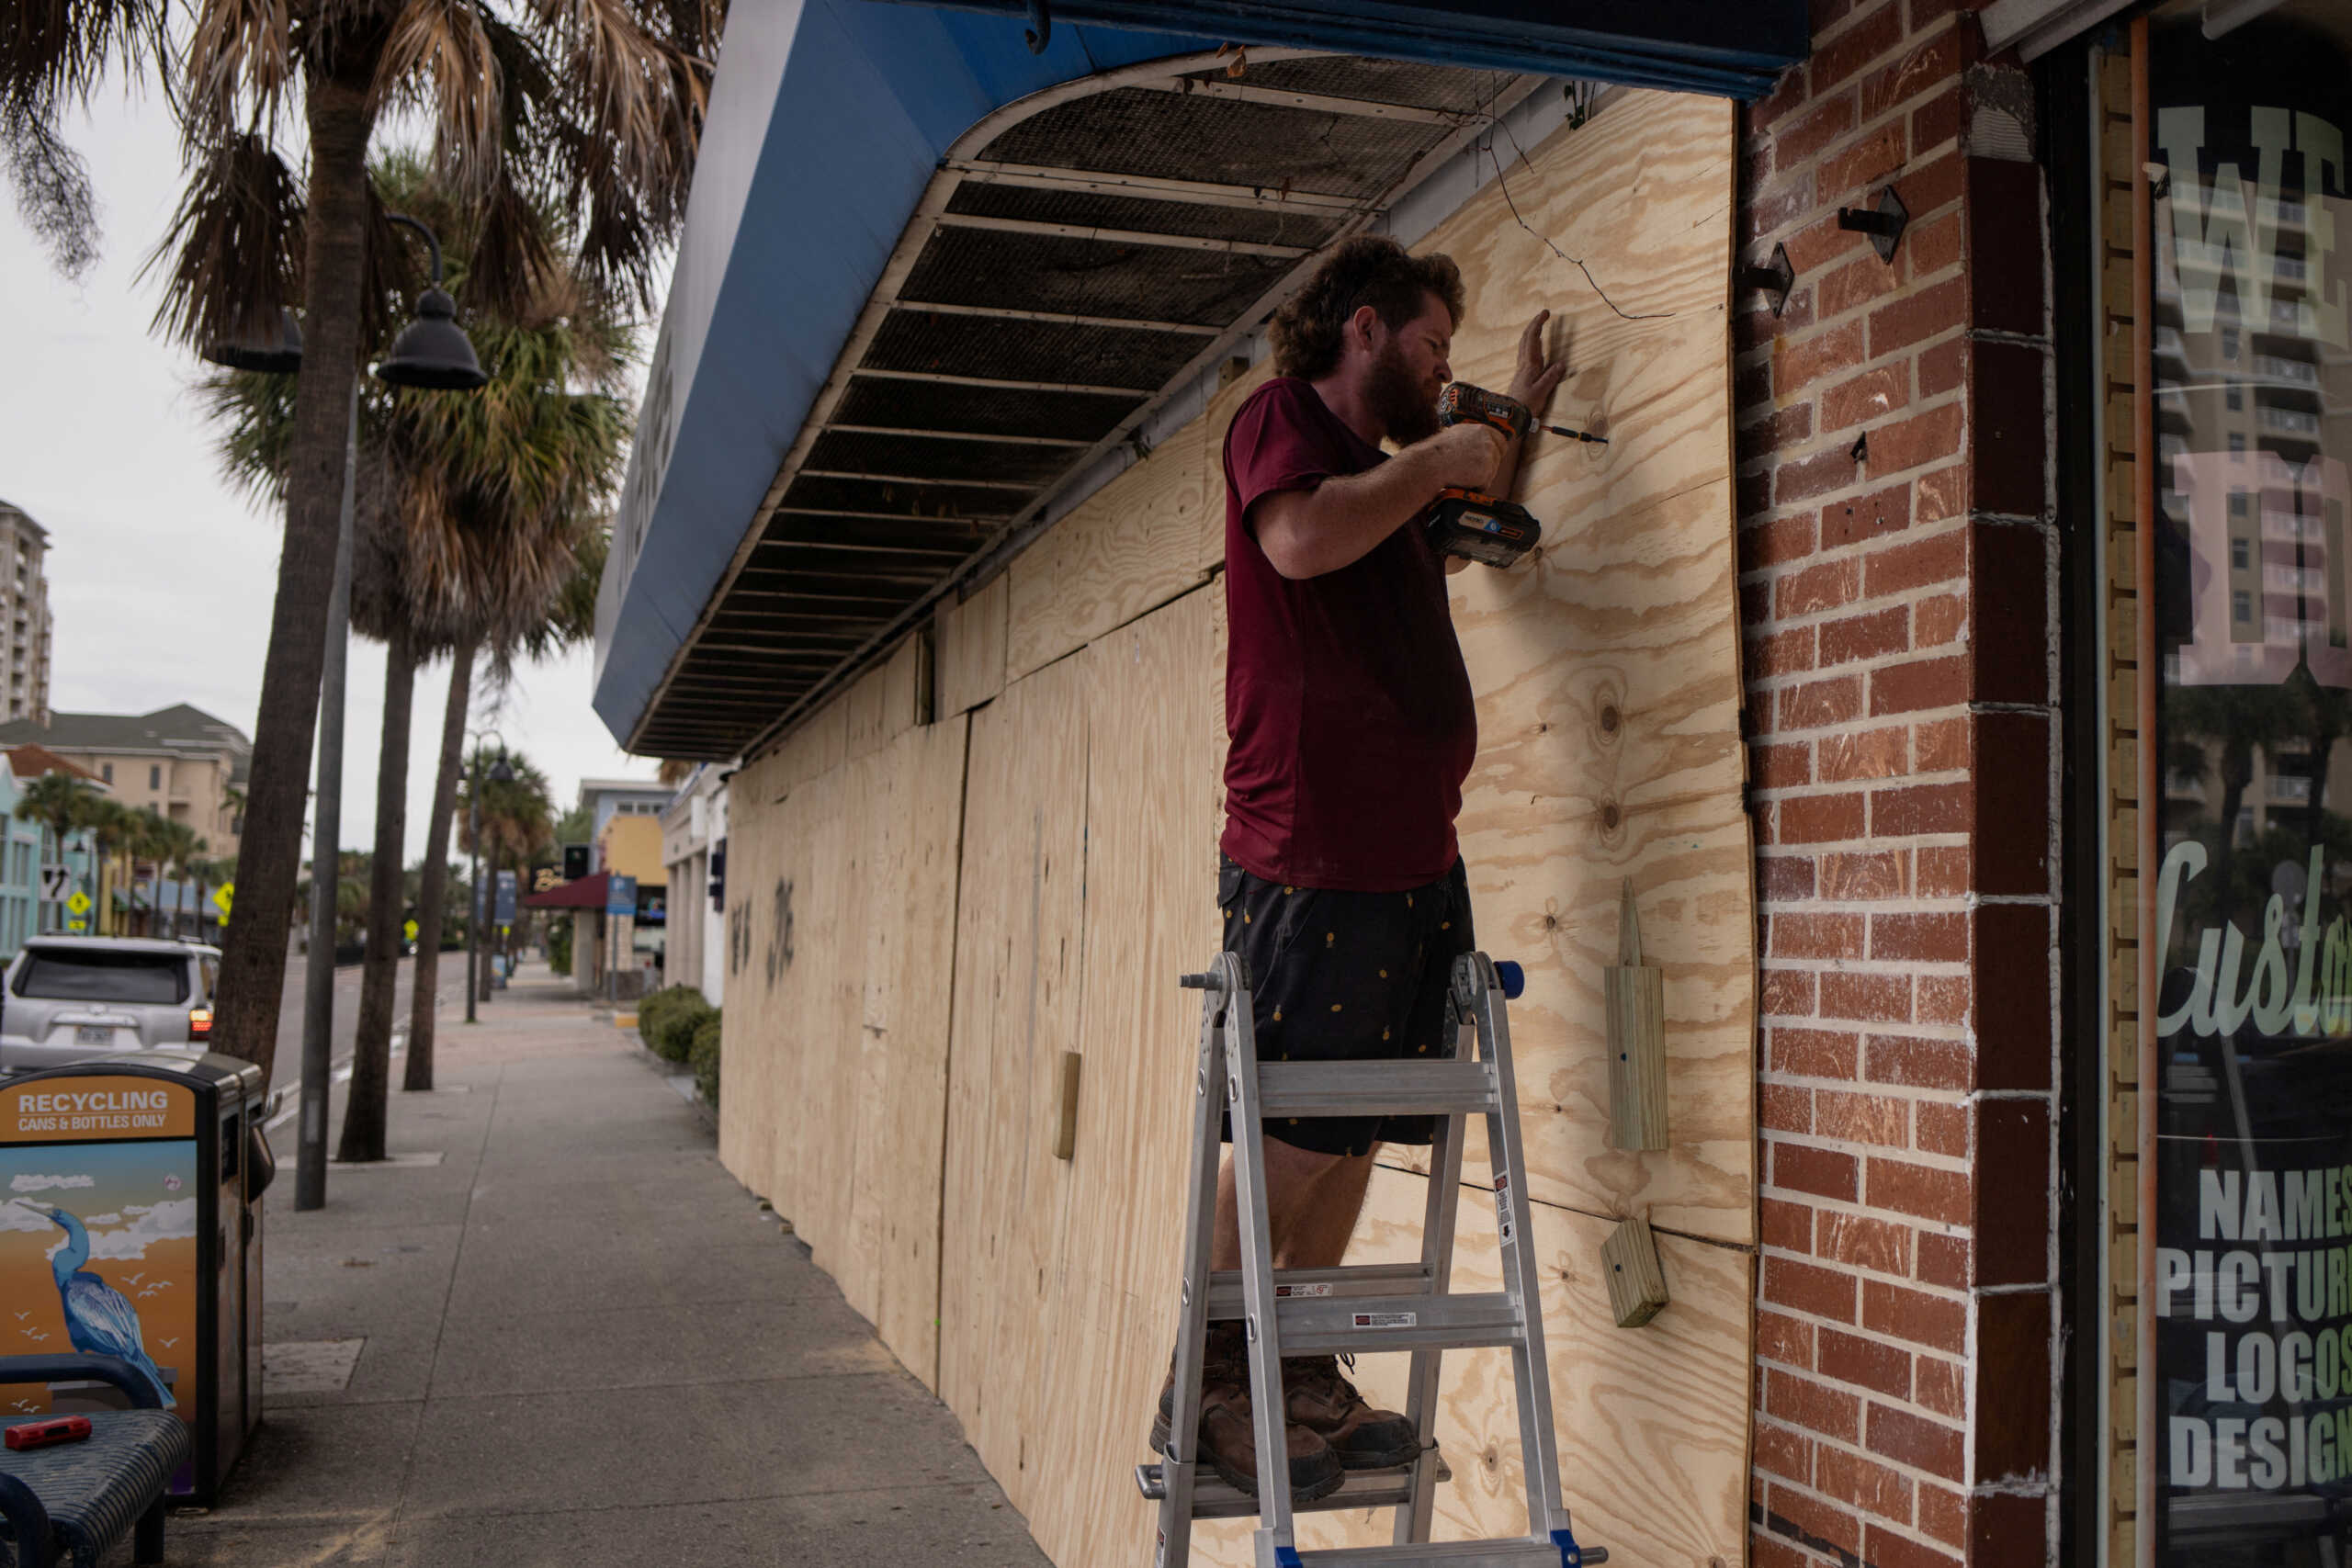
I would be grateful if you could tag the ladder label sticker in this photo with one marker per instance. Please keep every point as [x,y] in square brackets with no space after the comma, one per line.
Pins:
[1322,1290]
[1387,1319]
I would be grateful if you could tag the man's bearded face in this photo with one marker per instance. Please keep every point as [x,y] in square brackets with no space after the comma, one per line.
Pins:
[1404,397]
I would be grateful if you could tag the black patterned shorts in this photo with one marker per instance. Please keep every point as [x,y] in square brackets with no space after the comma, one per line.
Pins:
[1347,977]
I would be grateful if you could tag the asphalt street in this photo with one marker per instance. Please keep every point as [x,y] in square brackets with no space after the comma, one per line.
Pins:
[286,1072]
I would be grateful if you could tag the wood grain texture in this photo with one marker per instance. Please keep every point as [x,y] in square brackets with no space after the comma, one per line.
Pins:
[1133,545]
[917,904]
[1155,690]
[1607,668]
[1630,1267]
[1018,936]
[1653,1426]
[971,640]
[754,1029]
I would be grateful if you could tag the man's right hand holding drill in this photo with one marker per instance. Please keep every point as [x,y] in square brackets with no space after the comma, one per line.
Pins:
[1307,533]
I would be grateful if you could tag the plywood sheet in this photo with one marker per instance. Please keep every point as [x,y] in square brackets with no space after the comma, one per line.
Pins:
[881,701]
[1607,671]
[971,640]
[753,1023]
[816,747]
[919,904]
[1652,1422]
[1132,545]
[1018,948]
[1156,694]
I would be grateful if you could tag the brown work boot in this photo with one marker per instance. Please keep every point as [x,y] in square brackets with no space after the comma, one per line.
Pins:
[1229,1438]
[1317,1398]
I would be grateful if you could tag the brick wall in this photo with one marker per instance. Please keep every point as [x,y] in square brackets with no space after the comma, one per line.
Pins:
[1901,656]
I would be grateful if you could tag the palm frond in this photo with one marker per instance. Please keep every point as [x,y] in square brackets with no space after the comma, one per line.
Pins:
[241,56]
[53,193]
[235,246]
[255,415]
[439,58]
[54,53]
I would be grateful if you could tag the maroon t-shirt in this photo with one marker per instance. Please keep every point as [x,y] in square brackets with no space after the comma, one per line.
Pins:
[1346,702]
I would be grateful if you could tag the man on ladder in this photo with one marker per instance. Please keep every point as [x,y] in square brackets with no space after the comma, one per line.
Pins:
[1352,727]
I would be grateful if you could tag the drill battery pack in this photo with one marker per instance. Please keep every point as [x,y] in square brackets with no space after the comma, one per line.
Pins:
[1480,527]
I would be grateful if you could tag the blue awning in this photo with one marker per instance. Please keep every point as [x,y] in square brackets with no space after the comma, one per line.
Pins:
[893,337]
[827,120]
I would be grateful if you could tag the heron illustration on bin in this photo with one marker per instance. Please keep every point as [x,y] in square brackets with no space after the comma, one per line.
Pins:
[99,1319]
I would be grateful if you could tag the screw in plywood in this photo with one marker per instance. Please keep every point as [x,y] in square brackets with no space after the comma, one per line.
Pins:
[1635,997]
[1636,1282]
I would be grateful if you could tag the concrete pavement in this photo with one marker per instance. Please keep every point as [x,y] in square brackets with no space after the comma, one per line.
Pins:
[581,1342]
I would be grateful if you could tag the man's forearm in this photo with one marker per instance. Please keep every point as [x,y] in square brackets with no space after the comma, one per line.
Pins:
[1308,533]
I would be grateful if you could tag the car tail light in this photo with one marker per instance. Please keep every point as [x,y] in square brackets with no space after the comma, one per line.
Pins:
[199,1023]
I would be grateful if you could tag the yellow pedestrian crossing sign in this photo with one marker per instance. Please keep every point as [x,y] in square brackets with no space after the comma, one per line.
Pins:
[220,897]
[79,902]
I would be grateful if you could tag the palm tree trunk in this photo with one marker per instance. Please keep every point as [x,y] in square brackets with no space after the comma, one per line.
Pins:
[371,1056]
[252,964]
[433,888]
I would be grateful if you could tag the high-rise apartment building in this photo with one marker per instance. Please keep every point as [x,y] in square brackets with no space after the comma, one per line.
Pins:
[24,617]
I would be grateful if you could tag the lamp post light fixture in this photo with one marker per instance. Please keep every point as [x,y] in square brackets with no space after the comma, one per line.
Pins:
[431,352]
[498,772]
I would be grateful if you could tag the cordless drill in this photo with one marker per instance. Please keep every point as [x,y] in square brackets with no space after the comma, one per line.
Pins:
[1471,524]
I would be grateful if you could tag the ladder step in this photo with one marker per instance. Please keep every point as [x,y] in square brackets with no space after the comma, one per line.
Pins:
[1227,1299]
[1375,1089]
[1215,1499]
[1368,1324]
[1518,1553]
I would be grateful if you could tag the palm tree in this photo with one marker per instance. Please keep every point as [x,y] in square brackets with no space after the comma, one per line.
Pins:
[517,817]
[111,826]
[474,515]
[59,802]
[182,847]
[593,106]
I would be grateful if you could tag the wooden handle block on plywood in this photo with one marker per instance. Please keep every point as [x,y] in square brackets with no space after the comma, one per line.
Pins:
[1066,1113]
[1634,995]
[1636,1283]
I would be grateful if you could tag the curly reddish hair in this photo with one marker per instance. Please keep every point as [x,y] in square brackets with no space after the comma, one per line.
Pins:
[1370,269]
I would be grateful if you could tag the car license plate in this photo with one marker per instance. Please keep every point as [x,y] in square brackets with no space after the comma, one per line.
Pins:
[93,1034]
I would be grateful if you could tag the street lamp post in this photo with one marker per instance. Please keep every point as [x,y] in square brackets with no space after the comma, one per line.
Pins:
[498,772]
[424,355]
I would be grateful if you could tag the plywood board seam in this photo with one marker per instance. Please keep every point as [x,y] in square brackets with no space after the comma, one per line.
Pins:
[1472,1184]
[948,1065]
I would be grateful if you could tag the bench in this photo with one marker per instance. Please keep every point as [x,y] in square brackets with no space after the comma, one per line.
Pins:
[70,1502]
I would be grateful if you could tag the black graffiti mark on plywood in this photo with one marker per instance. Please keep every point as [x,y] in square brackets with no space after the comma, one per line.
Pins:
[738,940]
[780,936]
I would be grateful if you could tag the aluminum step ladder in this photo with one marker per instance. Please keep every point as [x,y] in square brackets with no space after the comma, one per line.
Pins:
[1399,1307]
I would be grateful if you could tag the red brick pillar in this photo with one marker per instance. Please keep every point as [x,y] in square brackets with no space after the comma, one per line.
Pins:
[1898,613]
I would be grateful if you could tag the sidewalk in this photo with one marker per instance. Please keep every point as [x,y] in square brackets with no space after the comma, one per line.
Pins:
[583,1344]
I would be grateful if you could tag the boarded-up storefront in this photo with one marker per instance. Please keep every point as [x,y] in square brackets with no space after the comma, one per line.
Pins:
[1000,846]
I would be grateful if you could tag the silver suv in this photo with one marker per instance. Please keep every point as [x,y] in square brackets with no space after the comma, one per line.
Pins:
[69,998]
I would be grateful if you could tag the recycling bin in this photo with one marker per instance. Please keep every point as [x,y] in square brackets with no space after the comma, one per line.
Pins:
[130,1225]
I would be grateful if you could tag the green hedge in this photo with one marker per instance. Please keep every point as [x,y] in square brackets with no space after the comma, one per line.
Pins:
[667,1021]
[703,1056]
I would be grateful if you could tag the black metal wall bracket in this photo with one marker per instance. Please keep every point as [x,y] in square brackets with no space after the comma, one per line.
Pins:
[1884,223]
[1775,278]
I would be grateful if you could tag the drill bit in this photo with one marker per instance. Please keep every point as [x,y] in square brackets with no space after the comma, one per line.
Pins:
[1578,434]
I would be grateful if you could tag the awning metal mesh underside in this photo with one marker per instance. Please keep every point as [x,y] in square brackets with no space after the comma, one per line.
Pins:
[1087,261]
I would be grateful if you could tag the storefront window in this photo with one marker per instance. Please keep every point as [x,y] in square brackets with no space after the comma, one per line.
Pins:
[2253,383]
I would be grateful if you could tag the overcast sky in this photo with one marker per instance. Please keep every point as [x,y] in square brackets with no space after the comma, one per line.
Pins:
[161,574]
